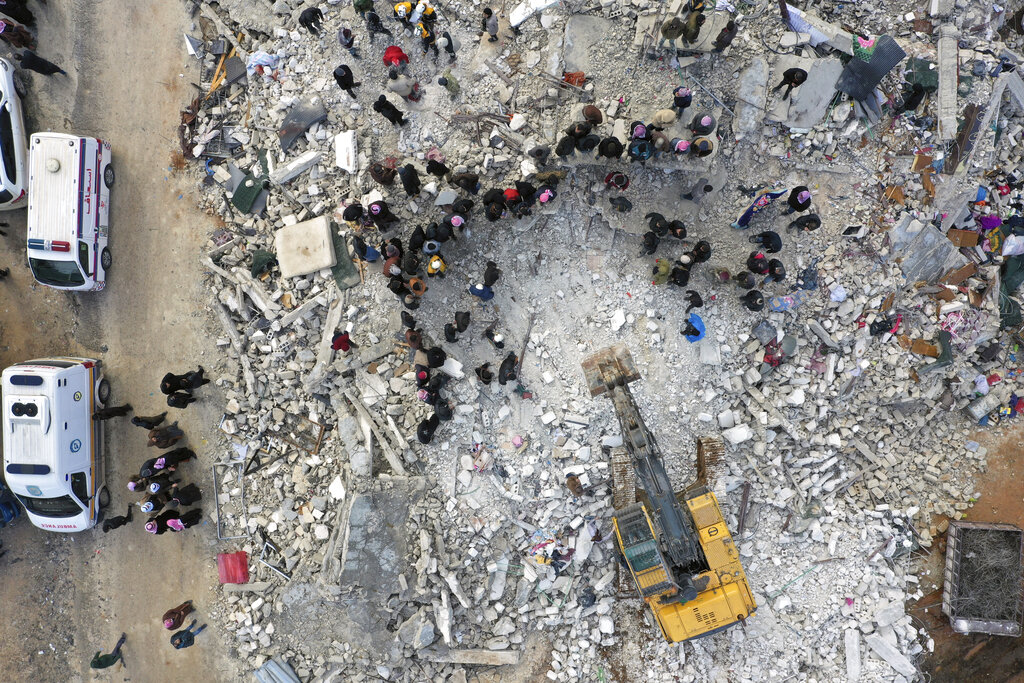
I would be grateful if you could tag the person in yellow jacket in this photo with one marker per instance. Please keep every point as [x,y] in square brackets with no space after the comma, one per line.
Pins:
[402,12]
[436,266]
[428,38]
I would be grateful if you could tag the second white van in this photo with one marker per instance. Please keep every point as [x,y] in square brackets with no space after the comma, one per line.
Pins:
[53,449]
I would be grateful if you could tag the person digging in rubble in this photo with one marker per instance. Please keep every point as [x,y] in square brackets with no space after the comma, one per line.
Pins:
[414,339]
[347,39]
[425,430]
[481,291]
[799,199]
[702,124]
[346,81]
[490,24]
[507,369]
[33,62]
[381,173]
[776,271]
[702,147]
[572,482]
[726,36]
[693,328]
[410,179]
[436,356]
[650,244]
[806,223]
[381,215]
[470,182]
[362,7]
[364,251]
[791,78]
[671,30]
[566,147]
[461,320]
[497,340]
[769,239]
[436,266]
[697,192]
[491,273]
[395,57]
[342,341]
[682,97]
[389,111]
[700,253]
[484,374]
[661,271]
[375,26]
[757,263]
[640,150]
[451,333]
[610,148]
[621,204]
[694,300]
[691,31]
[679,276]
[677,229]
[616,181]
[587,143]
[311,19]
[437,168]
[753,300]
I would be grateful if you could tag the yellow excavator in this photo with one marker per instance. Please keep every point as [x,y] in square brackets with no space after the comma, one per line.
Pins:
[684,562]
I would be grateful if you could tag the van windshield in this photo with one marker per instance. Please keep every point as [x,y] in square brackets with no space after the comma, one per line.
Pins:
[57,273]
[65,506]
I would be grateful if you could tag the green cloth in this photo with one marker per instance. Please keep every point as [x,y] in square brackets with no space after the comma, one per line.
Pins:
[662,270]
[262,261]
[102,661]
[362,5]
[452,85]
[1011,278]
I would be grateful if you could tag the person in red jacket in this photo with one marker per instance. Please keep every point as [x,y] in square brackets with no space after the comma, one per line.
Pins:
[394,56]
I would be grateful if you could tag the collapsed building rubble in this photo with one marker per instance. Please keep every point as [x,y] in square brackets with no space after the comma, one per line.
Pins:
[846,405]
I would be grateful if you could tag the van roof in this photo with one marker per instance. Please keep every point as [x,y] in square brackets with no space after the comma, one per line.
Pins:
[53,206]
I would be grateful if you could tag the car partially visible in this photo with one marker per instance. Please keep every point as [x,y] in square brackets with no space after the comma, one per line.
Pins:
[13,145]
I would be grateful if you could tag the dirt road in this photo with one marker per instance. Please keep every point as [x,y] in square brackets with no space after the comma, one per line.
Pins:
[65,597]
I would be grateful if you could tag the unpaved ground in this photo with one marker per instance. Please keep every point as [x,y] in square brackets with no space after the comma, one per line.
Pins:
[65,597]
[979,657]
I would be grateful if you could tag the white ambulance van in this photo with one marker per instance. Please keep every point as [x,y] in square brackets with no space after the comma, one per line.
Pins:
[53,454]
[69,180]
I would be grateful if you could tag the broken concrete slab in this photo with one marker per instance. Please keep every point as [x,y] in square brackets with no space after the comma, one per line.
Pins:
[809,103]
[822,32]
[753,93]
[305,247]
[949,73]
[477,657]
[296,167]
[582,32]
[851,640]
[891,655]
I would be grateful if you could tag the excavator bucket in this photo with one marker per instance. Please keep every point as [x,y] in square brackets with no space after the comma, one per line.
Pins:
[609,367]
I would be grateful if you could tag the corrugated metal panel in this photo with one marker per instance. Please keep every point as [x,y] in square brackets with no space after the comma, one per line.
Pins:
[859,78]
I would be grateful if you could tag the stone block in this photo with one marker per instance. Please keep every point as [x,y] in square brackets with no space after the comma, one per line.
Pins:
[305,248]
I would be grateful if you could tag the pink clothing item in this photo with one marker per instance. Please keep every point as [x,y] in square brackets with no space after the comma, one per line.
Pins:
[682,145]
[151,527]
[803,196]
[175,525]
[706,121]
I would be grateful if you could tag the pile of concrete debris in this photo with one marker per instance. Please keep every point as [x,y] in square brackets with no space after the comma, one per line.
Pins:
[842,406]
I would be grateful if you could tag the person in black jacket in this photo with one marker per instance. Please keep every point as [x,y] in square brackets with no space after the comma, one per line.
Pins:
[311,19]
[410,180]
[346,81]
[33,62]
[389,111]
[507,370]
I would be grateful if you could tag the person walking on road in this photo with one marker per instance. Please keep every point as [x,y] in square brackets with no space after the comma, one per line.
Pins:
[175,617]
[102,661]
[186,637]
[33,62]
[112,411]
[118,521]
